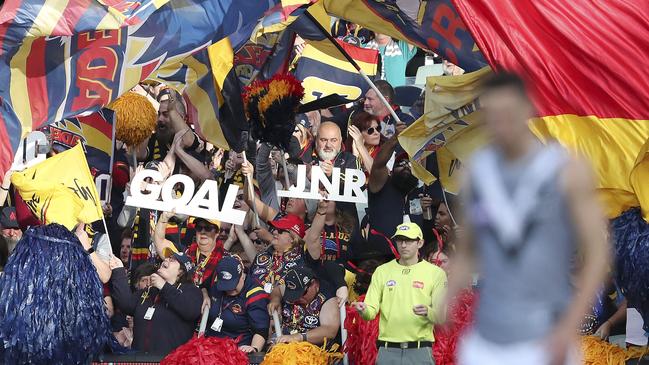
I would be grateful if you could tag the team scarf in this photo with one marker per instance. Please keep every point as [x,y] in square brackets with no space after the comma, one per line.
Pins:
[205,268]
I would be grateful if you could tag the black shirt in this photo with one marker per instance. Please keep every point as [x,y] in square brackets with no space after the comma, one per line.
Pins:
[177,310]
[386,210]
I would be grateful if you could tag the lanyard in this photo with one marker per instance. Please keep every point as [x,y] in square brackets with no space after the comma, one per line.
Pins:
[222,308]
[322,249]
[145,295]
[274,267]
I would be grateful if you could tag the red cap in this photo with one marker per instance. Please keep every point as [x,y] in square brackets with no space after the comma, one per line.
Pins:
[290,222]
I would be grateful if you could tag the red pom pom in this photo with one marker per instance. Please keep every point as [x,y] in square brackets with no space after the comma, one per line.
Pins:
[446,336]
[207,351]
[361,337]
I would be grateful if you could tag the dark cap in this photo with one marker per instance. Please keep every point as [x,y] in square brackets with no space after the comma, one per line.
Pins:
[184,260]
[303,120]
[297,281]
[9,218]
[228,271]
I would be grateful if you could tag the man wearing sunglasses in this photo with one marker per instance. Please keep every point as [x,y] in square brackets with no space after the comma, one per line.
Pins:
[408,294]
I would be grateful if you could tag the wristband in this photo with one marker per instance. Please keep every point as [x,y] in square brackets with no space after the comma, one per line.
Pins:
[3,188]
[304,337]
[256,349]
[90,250]
[321,213]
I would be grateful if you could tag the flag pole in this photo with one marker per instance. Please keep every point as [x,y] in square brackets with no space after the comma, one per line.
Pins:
[353,63]
[251,193]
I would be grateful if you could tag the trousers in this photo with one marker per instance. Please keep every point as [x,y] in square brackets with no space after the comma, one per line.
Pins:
[391,356]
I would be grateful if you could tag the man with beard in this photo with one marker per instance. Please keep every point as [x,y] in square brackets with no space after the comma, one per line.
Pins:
[10,228]
[388,192]
[328,154]
[328,150]
[171,120]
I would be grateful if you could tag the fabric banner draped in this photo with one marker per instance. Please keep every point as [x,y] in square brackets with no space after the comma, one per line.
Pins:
[46,79]
[580,59]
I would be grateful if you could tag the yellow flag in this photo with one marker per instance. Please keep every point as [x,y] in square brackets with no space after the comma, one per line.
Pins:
[451,121]
[60,189]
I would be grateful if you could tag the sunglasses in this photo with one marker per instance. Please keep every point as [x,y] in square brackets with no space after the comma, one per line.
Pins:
[205,228]
[371,130]
[402,163]
[279,230]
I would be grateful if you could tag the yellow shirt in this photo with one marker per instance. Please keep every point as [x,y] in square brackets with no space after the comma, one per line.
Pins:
[394,291]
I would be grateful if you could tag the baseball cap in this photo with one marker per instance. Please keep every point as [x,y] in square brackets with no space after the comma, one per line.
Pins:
[409,230]
[182,259]
[213,222]
[290,222]
[303,120]
[228,272]
[9,218]
[297,281]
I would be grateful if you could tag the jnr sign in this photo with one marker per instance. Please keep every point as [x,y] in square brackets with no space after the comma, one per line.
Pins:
[354,180]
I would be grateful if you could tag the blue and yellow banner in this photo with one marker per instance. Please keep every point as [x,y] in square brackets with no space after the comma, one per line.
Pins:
[46,79]
[441,30]
[324,71]
[20,19]
[450,126]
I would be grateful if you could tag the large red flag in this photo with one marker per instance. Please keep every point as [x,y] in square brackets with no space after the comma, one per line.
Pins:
[583,62]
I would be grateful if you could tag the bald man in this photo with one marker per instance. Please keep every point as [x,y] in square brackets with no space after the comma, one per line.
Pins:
[328,149]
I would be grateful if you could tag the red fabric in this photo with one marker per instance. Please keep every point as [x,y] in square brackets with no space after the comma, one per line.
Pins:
[291,223]
[579,57]
[205,272]
[446,336]
[24,215]
[361,337]
[207,351]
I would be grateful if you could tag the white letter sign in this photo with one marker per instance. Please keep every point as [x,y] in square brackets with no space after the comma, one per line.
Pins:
[32,150]
[205,204]
[352,192]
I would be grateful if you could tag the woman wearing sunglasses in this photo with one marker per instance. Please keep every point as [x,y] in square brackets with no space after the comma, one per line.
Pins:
[205,252]
[364,138]
[285,252]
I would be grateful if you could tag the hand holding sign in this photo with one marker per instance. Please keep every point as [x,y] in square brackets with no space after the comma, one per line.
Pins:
[327,167]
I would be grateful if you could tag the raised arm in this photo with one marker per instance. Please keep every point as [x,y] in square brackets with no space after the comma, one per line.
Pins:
[380,173]
[313,234]
[360,151]
[124,298]
[246,242]
[159,239]
[265,212]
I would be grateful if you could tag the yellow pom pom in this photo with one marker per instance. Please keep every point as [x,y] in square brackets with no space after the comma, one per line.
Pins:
[136,118]
[599,352]
[301,353]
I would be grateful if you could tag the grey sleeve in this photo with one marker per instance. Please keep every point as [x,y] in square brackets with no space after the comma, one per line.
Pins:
[127,215]
[265,177]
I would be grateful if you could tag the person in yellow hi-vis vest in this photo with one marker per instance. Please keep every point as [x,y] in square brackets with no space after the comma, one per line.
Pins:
[409,295]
